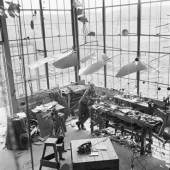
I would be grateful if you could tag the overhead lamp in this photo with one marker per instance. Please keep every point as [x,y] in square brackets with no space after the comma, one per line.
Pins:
[90,69]
[130,68]
[68,59]
[59,60]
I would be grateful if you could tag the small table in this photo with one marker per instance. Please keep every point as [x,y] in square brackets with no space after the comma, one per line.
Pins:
[106,158]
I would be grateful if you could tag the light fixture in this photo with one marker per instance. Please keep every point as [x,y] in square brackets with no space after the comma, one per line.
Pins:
[68,59]
[59,60]
[130,68]
[90,69]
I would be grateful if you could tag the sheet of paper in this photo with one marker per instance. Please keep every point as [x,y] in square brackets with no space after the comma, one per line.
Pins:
[95,153]
[101,147]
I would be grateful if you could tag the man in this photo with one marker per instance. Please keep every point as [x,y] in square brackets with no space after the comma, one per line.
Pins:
[84,103]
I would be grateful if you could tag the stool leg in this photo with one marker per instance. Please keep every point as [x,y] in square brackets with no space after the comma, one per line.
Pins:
[56,156]
[42,156]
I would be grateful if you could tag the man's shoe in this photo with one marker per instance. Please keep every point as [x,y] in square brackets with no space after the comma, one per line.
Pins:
[78,125]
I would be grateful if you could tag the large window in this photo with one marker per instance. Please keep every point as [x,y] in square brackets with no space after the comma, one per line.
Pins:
[119,15]
[58,38]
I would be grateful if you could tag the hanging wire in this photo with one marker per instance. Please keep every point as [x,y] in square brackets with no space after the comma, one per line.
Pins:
[113,70]
[52,37]
[27,53]
[129,13]
[96,32]
[20,56]
[35,48]
[159,48]
[66,37]
[120,43]
[150,12]
[59,38]
[91,76]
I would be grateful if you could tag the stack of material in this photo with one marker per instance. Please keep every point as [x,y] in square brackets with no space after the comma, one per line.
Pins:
[161,151]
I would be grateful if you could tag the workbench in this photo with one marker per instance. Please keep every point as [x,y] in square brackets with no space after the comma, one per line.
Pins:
[106,158]
[107,114]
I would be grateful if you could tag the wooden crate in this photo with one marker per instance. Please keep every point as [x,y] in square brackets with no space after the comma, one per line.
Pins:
[106,159]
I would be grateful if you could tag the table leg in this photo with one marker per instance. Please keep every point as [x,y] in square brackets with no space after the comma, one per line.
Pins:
[143,139]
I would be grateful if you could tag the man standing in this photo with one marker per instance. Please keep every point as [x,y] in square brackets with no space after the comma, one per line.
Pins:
[84,103]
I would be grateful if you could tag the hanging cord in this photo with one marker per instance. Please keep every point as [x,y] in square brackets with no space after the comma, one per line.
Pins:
[160,19]
[120,40]
[113,71]
[35,45]
[59,38]
[53,69]
[91,77]
[129,40]
[65,21]
[19,54]
[28,61]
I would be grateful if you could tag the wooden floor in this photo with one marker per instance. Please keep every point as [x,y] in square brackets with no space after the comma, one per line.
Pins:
[7,161]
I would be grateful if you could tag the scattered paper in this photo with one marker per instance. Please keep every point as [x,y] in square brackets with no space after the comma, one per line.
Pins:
[94,153]
[101,147]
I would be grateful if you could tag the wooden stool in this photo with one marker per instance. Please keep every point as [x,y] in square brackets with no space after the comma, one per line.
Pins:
[45,160]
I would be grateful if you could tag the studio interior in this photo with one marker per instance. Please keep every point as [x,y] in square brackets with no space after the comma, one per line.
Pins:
[85,84]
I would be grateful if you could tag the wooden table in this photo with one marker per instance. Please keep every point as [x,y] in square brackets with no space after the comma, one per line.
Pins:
[106,159]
